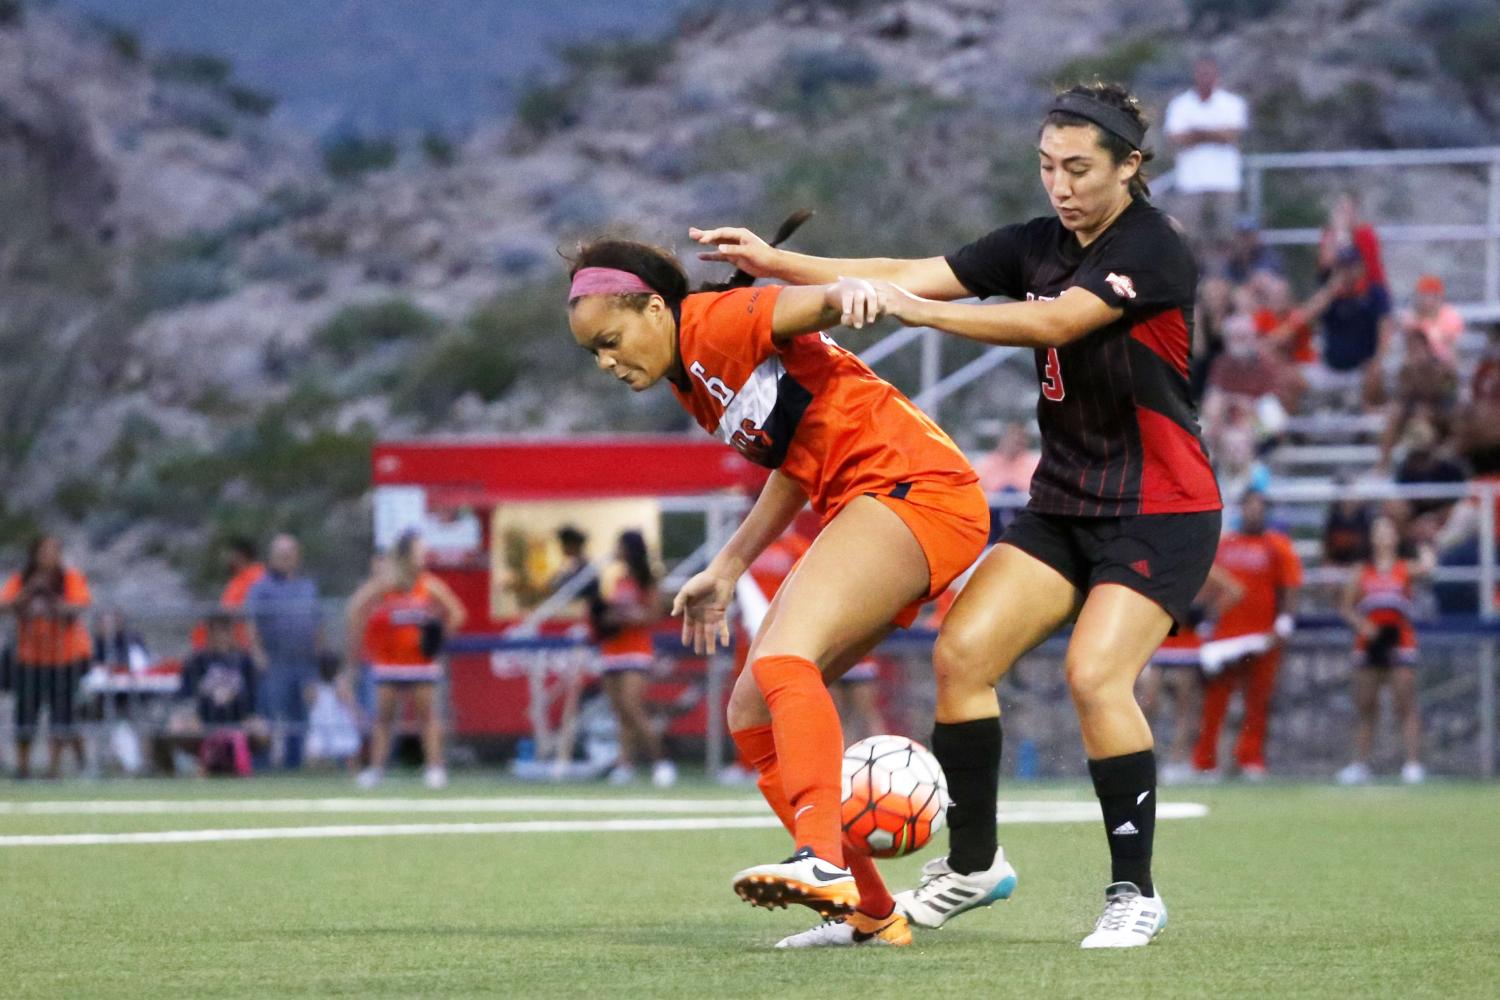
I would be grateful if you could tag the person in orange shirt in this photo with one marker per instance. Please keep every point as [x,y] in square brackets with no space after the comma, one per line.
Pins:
[402,614]
[244,571]
[49,599]
[624,621]
[1379,605]
[1262,561]
[902,514]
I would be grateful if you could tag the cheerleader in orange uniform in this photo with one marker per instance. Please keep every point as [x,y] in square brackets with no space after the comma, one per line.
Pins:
[623,624]
[402,613]
[902,514]
[1378,605]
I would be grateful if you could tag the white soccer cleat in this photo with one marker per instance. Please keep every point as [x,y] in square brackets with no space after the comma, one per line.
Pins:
[805,879]
[620,774]
[1357,773]
[369,778]
[852,932]
[663,774]
[435,778]
[1130,920]
[1413,773]
[944,893]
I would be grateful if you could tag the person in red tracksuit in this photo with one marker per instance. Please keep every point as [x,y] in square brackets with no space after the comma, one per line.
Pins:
[1264,563]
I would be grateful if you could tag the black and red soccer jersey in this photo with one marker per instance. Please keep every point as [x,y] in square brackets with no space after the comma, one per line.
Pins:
[1119,428]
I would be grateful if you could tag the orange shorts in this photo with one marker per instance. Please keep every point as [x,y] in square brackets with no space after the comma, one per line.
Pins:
[952,524]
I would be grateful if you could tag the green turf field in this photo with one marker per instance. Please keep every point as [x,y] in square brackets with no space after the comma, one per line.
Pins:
[1282,890]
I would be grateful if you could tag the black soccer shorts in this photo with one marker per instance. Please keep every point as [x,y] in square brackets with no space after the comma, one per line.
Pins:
[1165,557]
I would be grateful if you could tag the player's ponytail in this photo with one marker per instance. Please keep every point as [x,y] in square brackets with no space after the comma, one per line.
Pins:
[742,278]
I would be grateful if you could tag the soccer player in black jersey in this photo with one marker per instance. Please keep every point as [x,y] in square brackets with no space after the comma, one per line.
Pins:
[1124,515]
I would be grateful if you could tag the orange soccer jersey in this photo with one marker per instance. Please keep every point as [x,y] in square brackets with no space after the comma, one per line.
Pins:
[808,407]
[48,640]
[1263,564]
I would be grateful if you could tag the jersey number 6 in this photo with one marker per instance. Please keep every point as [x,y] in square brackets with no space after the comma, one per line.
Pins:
[1052,384]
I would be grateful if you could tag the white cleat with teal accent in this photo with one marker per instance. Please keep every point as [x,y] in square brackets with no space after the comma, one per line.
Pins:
[943,893]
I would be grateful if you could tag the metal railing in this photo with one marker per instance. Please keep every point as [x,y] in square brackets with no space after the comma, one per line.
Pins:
[1487,233]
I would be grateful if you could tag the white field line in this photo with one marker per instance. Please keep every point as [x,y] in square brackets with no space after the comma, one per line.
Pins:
[1031,812]
[169,807]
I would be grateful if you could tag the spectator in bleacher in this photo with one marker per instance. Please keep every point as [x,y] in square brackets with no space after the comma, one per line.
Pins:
[1243,412]
[1356,324]
[215,719]
[1427,462]
[1266,567]
[1435,318]
[1007,470]
[284,615]
[1379,606]
[1353,322]
[1204,125]
[118,647]
[1426,391]
[48,598]
[1009,467]
[1281,323]
[1477,427]
[1215,303]
[1346,531]
[1248,257]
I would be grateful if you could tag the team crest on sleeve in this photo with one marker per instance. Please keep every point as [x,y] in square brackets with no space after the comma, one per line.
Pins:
[1122,285]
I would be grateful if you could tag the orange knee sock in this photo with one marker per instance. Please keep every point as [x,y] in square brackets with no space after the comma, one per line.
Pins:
[758,748]
[809,748]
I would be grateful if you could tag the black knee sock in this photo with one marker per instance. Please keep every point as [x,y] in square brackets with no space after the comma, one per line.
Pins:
[1126,787]
[969,753]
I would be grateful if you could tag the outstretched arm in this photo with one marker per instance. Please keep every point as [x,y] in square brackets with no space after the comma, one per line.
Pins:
[931,277]
[807,308]
[1038,323]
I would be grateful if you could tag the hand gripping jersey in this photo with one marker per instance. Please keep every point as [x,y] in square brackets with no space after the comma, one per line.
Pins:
[1263,564]
[1119,428]
[808,407]
[393,634]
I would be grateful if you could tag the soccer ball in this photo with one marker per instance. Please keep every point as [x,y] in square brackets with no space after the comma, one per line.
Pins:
[895,796]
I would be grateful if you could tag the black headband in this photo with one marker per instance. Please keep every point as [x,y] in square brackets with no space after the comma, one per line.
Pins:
[1106,116]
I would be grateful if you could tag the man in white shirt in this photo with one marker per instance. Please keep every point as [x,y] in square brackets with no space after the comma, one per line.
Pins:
[1204,126]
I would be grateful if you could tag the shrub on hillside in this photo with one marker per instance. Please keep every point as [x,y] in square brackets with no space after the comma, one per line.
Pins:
[350,155]
[355,329]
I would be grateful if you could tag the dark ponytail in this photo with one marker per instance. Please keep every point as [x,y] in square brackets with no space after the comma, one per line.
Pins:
[1115,96]
[744,279]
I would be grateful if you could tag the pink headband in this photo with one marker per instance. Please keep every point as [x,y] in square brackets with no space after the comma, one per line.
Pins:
[607,281]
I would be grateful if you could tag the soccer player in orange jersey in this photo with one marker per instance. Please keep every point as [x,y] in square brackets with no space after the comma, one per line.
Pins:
[1263,562]
[902,511]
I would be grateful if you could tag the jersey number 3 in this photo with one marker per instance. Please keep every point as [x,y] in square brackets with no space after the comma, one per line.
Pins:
[1052,383]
